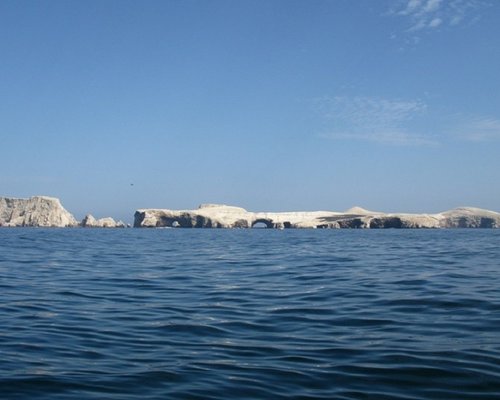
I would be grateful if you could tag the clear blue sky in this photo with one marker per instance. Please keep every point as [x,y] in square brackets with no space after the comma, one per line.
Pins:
[269,105]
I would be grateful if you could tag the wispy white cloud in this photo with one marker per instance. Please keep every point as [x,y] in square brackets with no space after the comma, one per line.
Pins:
[400,122]
[411,7]
[394,138]
[435,23]
[361,110]
[431,14]
[371,119]
[481,129]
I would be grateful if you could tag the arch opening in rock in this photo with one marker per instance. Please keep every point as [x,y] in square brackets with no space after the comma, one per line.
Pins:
[262,223]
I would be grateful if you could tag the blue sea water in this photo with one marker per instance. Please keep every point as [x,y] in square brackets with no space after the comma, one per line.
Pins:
[249,314]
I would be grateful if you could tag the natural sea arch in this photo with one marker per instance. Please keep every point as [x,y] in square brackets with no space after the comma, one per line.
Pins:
[262,223]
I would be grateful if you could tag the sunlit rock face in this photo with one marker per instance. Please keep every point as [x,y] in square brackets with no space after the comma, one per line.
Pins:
[90,222]
[39,211]
[470,217]
[222,216]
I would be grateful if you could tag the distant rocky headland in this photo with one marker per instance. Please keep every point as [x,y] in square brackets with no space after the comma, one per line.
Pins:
[42,211]
[222,216]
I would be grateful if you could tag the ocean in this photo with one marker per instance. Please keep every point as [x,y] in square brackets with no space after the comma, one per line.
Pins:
[249,314]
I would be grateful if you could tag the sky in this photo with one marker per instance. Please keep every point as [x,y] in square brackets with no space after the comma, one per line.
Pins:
[269,105]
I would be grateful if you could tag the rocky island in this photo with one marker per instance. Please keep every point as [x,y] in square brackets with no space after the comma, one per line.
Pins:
[35,211]
[44,211]
[223,216]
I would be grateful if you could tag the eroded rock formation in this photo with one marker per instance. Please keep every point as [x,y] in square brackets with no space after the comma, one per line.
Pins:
[90,222]
[222,216]
[36,211]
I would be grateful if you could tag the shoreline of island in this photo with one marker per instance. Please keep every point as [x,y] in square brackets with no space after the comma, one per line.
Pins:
[44,211]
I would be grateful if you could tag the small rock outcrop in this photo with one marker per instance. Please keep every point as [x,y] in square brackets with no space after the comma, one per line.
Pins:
[223,216]
[38,211]
[90,222]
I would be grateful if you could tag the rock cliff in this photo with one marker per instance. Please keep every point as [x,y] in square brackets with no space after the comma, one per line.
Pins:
[222,216]
[36,211]
[90,222]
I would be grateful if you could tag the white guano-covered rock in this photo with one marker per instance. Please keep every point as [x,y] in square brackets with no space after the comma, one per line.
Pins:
[223,216]
[90,222]
[38,211]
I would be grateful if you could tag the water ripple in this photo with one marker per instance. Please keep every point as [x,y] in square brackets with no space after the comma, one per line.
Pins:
[216,314]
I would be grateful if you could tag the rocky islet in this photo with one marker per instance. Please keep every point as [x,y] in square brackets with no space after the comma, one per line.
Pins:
[43,211]
[223,216]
